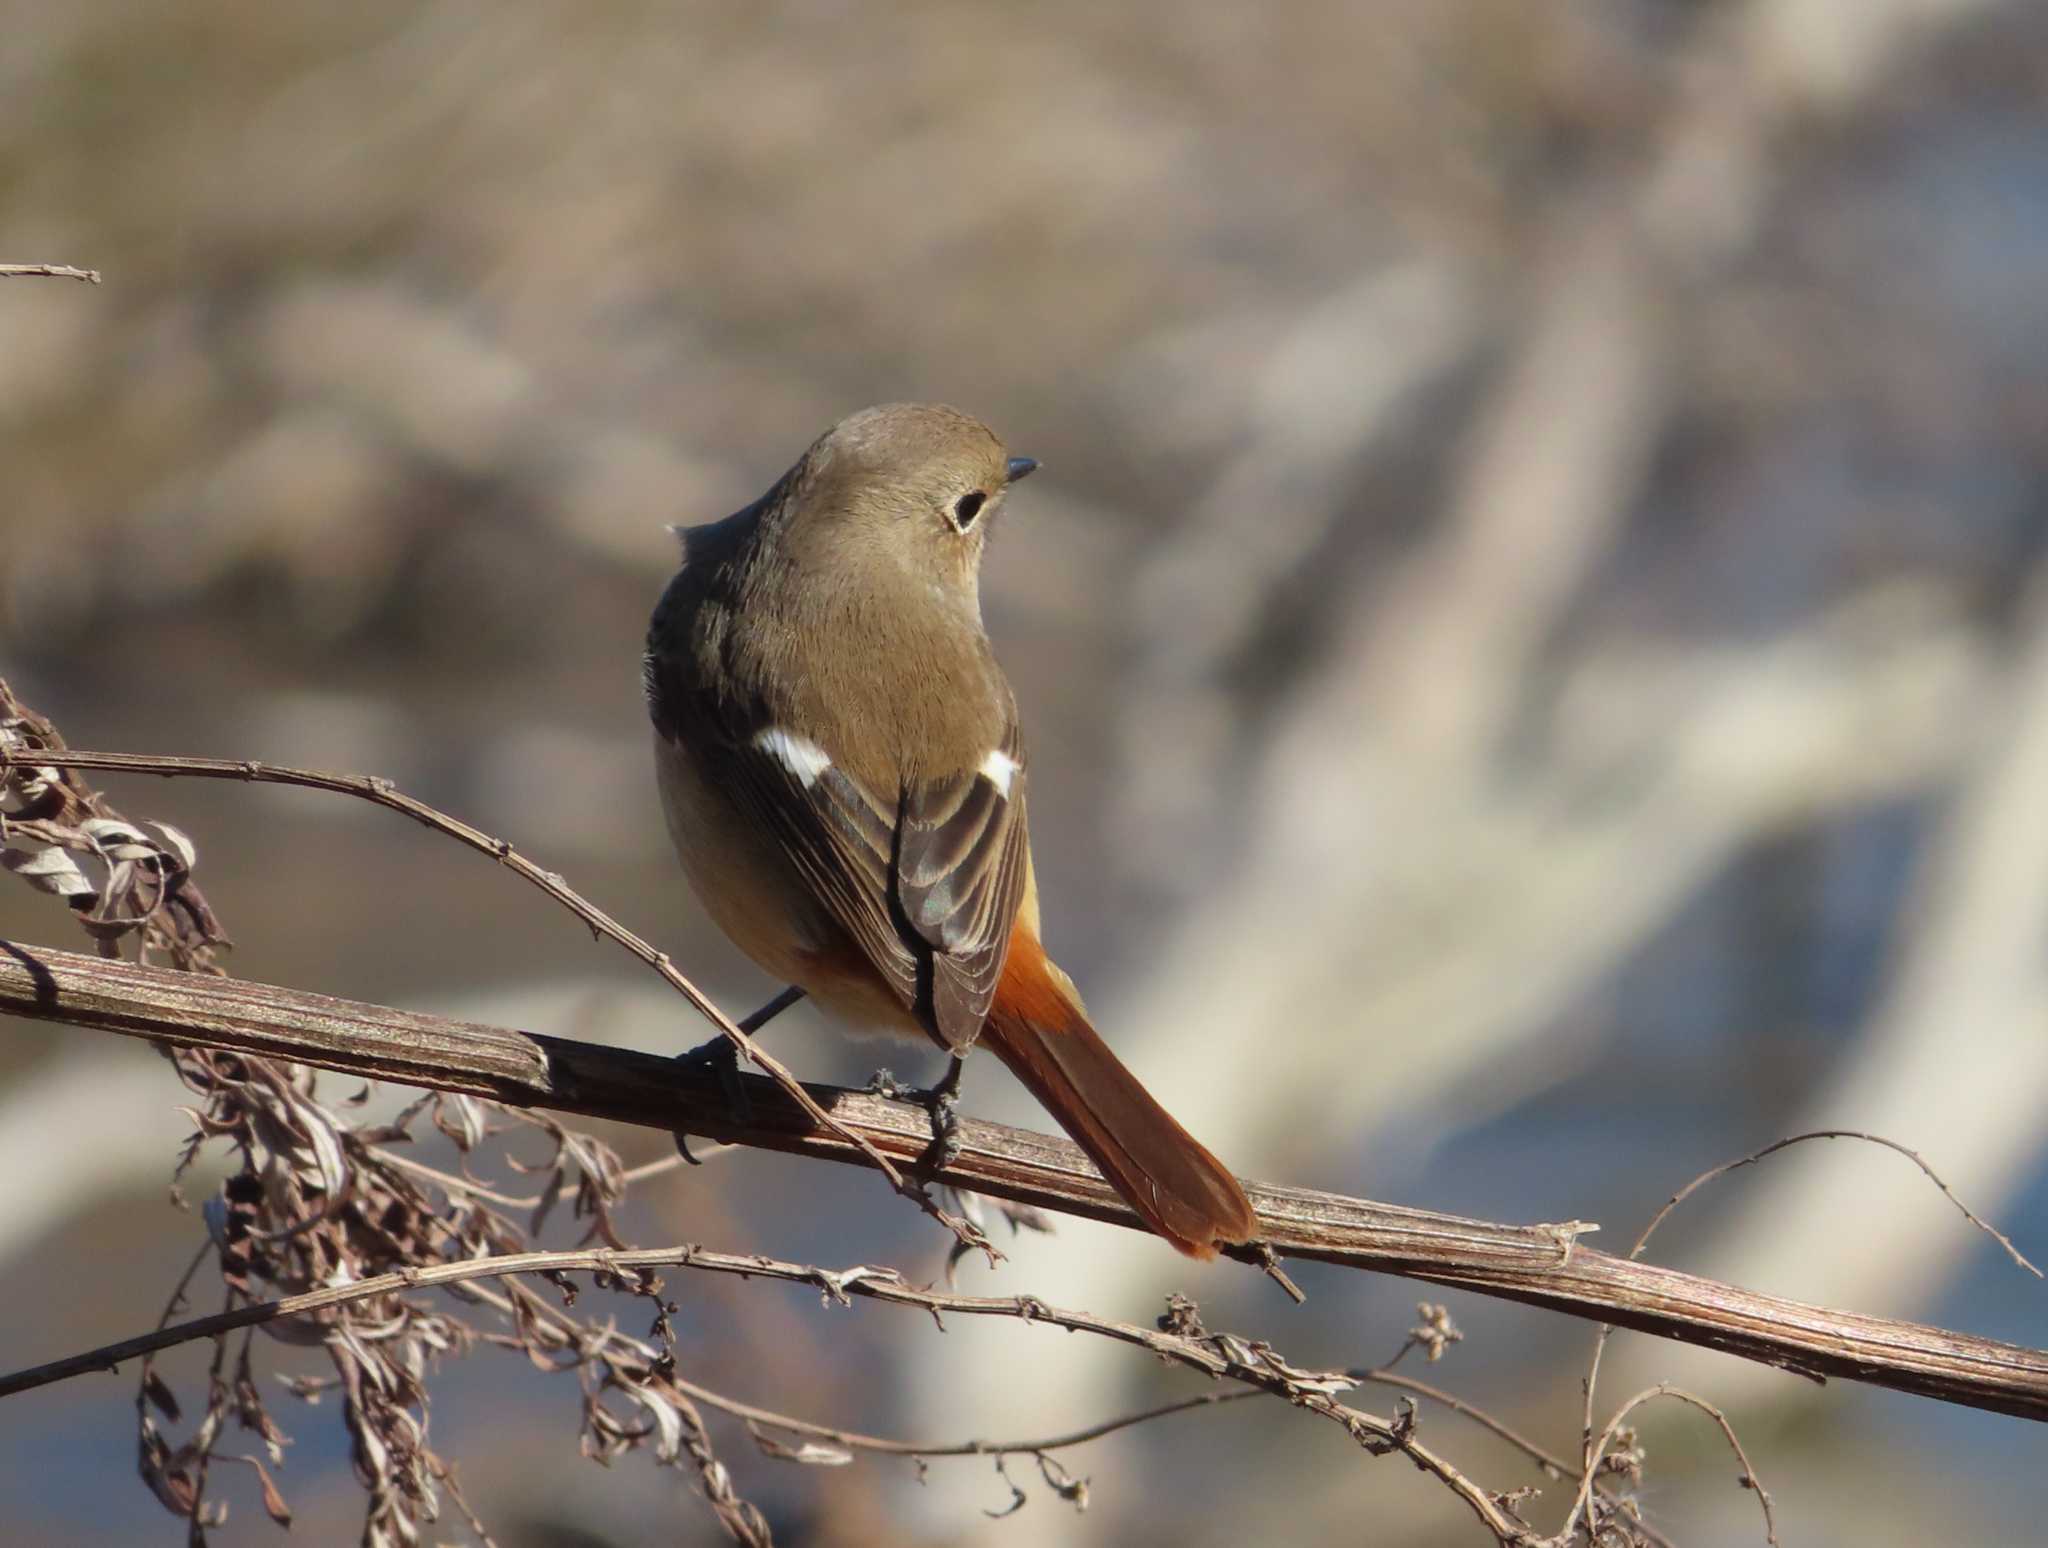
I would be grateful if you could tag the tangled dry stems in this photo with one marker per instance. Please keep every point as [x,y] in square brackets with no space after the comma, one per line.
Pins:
[318,1199]
[327,1237]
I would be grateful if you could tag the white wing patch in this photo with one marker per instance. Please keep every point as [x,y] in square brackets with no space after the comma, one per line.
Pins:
[799,754]
[999,768]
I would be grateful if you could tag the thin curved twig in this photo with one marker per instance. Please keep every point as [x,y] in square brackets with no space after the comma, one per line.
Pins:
[1588,1453]
[1775,1146]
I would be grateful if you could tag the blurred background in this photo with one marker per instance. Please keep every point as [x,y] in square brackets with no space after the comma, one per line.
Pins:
[1532,628]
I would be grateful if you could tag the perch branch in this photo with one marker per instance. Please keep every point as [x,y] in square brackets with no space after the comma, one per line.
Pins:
[1539,1265]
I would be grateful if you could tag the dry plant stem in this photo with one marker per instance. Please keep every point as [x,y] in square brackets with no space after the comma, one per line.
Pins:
[1588,1452]
[1533,1264]
[1775,1146]
[1664,1389]
[381,792]
[1222,1356]
[1033,1310]
[450,1183]
[854,1440]
[1383,1375]
[48,271]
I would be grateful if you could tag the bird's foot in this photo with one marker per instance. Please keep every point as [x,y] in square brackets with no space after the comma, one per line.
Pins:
[718,1057]
[941,1101]
[721,1057]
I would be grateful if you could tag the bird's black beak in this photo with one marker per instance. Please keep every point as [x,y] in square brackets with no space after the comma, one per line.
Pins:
[1022,467]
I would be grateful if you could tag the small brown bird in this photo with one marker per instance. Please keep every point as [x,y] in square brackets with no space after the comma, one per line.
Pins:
[844,778]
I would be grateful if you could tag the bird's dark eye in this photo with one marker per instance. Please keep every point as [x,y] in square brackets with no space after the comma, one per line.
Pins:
[967,507]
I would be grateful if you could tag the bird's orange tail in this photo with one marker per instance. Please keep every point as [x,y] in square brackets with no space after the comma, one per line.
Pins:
[1042,1035]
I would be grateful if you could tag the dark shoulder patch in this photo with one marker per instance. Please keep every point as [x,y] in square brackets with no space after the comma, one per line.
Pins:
[663,666]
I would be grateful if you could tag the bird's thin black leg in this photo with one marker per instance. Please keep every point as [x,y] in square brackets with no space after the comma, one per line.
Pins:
[721,1056]
[754,1021]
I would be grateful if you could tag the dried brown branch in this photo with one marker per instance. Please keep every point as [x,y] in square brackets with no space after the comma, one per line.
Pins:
[1180,1337]
[1538,1265]
[847,1441]
[381,792]
[48,271]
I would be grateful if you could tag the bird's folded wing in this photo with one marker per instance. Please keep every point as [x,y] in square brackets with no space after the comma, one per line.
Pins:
[960,864]
[926,879]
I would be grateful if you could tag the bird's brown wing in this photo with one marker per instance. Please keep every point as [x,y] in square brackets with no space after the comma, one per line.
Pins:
[960,864]
[926,879]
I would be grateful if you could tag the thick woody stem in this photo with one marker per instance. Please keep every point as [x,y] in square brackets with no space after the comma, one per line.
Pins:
[1541,1265]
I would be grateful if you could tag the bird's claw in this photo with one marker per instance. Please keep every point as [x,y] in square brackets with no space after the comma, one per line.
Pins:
[883,1083]
[941,1101]
[945,1111]
[720,1058]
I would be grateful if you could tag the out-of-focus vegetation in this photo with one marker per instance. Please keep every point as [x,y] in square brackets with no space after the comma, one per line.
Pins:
[1531,628]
